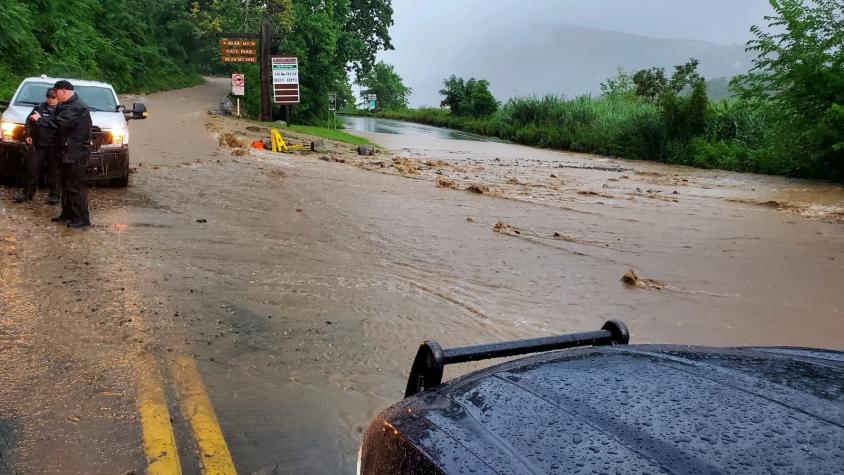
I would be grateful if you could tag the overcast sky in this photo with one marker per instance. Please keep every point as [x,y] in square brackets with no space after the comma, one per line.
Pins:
[426,26]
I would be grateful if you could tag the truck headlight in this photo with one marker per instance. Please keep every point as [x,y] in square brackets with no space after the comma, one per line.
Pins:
[116,136]
[9,129]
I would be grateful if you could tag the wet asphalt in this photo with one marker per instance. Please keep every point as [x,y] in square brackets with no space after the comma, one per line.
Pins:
[299,288]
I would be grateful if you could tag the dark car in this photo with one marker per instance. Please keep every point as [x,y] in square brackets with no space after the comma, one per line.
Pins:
[109,162]
[614,408]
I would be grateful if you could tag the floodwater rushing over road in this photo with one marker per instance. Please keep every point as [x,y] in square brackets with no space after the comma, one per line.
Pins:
[397,127]
[286,294]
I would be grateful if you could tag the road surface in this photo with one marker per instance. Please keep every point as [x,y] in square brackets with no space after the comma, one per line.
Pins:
[254,312]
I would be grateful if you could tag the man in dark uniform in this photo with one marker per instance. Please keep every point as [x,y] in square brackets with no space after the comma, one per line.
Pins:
[72,125]
[41,154]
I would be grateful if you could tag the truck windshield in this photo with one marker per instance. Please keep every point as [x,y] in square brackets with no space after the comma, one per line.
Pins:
[98,98]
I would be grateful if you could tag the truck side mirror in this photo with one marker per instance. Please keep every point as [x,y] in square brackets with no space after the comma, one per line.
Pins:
[139,111]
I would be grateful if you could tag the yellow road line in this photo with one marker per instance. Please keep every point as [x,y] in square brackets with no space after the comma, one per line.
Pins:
[214,456]
[159,442]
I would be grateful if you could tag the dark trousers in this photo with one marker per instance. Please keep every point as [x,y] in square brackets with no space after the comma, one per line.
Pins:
[37,159]
[75,196]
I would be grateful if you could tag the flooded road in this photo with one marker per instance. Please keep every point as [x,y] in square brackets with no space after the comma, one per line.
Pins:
[289,292]
[397,127]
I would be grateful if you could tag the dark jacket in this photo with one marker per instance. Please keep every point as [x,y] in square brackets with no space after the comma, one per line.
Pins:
[41,136]
[72,125]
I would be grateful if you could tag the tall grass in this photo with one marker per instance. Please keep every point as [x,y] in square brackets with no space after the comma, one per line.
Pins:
[734,138]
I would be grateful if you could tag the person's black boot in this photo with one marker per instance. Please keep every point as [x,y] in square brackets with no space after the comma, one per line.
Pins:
[21,197]
[54,199]
[59,219]
[79,223]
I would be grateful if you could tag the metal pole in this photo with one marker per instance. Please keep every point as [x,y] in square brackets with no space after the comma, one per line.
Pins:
[266,85]
[238,108]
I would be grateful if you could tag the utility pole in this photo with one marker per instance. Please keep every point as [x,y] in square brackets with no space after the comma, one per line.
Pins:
[266,83]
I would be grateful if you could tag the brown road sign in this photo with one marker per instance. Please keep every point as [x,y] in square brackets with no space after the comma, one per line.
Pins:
[238,52]
[238,59]
[237,43]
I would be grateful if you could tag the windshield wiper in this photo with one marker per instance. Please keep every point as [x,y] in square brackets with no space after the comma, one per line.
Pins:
[26,103]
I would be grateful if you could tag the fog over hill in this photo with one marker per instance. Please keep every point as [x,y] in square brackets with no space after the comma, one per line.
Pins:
[571,60]
[527,46]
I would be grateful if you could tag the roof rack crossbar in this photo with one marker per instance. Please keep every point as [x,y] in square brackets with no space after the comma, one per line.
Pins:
[427,369]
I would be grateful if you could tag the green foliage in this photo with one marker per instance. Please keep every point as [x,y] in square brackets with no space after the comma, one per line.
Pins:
[620,85]
[143,46]
[470,98]
[387,85]
[135,45]
[685,117]
[650,83]
[798,81]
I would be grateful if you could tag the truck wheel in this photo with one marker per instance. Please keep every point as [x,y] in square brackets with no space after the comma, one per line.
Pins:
[123,181]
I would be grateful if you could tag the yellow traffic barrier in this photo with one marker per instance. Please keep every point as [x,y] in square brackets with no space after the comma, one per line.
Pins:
[278,144]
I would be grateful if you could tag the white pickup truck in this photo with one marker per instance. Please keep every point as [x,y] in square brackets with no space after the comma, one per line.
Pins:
[109,162]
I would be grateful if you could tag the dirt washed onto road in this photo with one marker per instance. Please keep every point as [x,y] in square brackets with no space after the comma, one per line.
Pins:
[301,284]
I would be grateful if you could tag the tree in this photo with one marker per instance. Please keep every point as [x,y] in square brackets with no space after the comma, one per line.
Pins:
[650,83]
[468,98]
[620,85]
[798,78]
[653,83]
[387,85]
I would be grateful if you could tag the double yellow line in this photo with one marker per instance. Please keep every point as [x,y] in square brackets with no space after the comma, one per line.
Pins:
[159,440]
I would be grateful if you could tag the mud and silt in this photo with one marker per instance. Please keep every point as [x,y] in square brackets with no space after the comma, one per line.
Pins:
[302,283]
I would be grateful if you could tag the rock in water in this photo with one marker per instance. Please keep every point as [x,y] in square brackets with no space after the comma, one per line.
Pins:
[630,278]
[366,150]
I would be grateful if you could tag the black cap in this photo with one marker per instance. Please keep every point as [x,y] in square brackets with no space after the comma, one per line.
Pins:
[51,93]
[63,85]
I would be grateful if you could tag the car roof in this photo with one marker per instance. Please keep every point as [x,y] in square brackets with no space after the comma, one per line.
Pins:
[75,82]
[636,409]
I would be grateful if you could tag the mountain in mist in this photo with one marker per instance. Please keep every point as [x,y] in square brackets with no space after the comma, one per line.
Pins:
[570,60]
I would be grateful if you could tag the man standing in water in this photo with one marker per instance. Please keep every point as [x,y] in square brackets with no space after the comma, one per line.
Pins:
[41,155]
[72,125]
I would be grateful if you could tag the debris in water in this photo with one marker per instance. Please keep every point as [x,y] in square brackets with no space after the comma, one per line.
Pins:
[405,166]
[478,188]
[275,173]
[201,220]
[504,228]
[437,164]
[239,152]
[444,182]
[229,140]
[514,181]
[470,220]
[633,280]
[594,193]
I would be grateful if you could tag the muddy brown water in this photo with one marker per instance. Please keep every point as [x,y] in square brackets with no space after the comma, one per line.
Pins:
[307,290]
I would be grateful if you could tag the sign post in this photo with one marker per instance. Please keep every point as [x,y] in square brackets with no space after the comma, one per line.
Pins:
[238,86]
[332,107]
[243,48]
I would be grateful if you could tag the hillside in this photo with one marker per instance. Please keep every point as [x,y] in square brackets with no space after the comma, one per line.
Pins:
[537,59]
